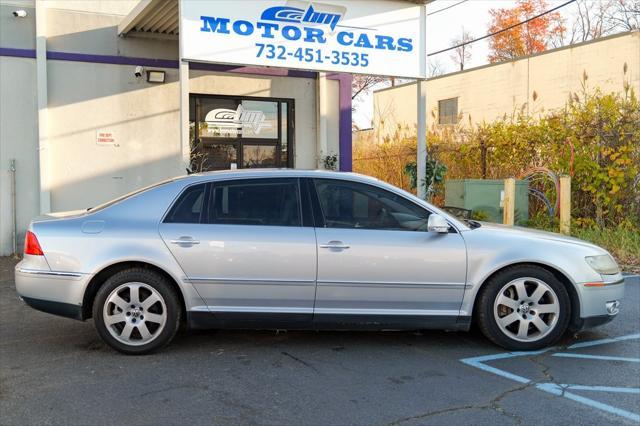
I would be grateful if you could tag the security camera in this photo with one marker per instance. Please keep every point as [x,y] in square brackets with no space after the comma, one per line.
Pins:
[139,71]
[20,13]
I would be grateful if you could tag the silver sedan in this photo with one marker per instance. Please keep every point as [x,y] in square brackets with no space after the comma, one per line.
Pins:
[292,249]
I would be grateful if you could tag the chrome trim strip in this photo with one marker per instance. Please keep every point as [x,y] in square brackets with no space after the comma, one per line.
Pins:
[49,273]
[620,281]
[424,312]
[260,309]
[281,310]
[392,284]
[244,281]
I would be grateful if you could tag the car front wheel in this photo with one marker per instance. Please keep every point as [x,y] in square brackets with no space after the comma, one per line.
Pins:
[523,308]
[136,311]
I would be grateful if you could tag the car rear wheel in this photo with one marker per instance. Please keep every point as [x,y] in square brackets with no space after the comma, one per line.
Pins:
[136,311]
[523,308]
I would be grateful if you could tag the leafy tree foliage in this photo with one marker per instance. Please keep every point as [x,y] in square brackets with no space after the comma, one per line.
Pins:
[526,39]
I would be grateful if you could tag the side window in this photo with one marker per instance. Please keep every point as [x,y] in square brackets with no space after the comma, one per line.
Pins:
[355,205]
[267,202]
[188,207]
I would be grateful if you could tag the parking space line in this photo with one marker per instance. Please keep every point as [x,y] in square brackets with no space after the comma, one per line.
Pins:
[554,389]
[598,357]
[562,390]
[602,389]
[604,341]
[478,361]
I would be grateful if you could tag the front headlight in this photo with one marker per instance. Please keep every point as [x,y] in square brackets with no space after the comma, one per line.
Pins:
[603,264]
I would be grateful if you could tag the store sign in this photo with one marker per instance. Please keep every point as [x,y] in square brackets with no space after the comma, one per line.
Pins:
[229,122]
[369,37]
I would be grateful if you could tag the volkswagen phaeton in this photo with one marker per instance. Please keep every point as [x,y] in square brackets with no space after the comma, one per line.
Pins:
[294,249]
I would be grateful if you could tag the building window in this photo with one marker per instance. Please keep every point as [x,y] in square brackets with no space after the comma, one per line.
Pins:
[240,132]
[448,111]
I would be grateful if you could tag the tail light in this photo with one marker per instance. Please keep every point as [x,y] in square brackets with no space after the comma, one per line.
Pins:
[31,245]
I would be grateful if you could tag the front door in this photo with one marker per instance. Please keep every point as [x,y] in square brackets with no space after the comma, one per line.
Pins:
[240,132]
[245,249]
[377,260]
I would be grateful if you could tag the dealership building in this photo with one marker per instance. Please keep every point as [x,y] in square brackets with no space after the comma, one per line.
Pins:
[99,98]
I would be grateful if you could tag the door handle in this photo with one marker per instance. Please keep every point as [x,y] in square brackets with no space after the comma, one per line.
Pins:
[339,245]
[185,241]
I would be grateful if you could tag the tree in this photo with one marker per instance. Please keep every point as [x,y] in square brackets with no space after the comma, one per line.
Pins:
[590,20]
[525,39]
[435,68]
[461,54]
[363,84]
[624,15]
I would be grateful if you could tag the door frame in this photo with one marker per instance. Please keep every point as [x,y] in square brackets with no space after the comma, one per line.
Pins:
[239,142]
[378,321]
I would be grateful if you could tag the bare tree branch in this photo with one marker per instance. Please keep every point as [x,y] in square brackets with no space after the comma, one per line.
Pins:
[462,54]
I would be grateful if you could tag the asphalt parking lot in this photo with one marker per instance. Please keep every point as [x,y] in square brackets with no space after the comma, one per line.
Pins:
[57,371]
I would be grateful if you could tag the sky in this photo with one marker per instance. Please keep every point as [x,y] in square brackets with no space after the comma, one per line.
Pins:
[442,27]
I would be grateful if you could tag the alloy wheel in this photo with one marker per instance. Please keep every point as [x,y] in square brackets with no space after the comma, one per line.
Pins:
[135,313]
[526,309]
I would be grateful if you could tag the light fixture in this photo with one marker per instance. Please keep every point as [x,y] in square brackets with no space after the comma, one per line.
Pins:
[20,13]
[154,76]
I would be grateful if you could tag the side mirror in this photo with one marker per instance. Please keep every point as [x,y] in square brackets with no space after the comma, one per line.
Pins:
[437,224]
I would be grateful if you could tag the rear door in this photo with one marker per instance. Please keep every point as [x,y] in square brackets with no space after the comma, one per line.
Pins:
[245,248]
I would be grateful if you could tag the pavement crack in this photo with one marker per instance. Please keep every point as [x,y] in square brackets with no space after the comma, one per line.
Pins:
[544,368]
[435,413]
[494,405]
[301,361]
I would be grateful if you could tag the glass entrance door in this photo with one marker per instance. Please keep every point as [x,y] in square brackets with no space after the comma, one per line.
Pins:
[240,132]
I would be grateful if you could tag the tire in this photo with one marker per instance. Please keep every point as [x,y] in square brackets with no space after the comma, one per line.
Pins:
[119,316]
[514,307]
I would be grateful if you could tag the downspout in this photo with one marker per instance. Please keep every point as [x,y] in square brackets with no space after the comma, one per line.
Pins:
[14,208]
[42,101]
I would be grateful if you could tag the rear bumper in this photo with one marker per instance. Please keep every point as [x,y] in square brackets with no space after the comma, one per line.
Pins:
[56,308]
[58,293]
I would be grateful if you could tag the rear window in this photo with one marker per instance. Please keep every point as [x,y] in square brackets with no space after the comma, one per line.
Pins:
[129,195]
[188,207]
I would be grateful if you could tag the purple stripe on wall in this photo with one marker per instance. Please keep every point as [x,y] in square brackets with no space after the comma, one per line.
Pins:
[272,72]
[111,59]
[344,135]
[344,80]
[17,53]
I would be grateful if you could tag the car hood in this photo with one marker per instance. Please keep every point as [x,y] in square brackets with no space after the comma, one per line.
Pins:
[528,233]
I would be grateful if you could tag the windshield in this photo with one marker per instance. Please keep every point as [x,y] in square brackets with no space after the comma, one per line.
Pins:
[124,197]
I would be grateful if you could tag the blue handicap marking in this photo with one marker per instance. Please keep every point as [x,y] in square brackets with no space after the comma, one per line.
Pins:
[564,390]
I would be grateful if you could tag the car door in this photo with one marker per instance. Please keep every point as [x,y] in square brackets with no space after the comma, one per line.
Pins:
[245,249]
[376,258]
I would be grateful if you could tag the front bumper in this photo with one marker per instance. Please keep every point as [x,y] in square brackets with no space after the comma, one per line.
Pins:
[596,298]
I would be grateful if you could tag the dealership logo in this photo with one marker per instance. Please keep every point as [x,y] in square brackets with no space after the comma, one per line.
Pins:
[308,22]
[315,13]
[235,121]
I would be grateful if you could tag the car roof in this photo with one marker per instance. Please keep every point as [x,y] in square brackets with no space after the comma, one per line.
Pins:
[327,174]
[267,173]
